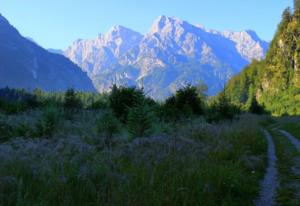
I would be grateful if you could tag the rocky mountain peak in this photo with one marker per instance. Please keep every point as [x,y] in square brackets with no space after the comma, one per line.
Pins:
[121,32]
[164,24]
[248,44]
[171,53]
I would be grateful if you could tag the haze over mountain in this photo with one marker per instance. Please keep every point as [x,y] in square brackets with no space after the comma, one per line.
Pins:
[24,64]
[172,54]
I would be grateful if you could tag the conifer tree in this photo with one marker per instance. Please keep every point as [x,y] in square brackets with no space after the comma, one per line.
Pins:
[71,100]
[287,15]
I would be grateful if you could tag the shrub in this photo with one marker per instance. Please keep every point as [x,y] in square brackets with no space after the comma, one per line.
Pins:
[13,101]
[71,101]
[5,131]
[185,103]
[221,109]
[13,107]
[22,130]
[122,99]
[108,125]
[49,120]
[99,104]
[140,121]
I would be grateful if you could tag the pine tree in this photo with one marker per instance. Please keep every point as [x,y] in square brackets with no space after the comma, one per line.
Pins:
[71,100]
[140,121]
[287,15]
[108,125]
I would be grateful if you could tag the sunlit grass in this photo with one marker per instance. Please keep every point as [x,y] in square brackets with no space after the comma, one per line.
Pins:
[288,158]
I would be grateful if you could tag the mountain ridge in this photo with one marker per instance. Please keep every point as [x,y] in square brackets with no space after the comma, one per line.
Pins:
[24,64]
[172,54]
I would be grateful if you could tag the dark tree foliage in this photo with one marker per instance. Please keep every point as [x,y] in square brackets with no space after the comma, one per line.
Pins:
[287,15]
[185,103]
[5,131]
[122,99]
[98,104]
[48,122]
[13,101]
[108,125]
[222,109]
[140,121]
[71,100]
[255,107]
[10,95]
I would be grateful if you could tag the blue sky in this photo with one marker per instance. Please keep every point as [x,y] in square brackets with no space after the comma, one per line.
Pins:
[57,23]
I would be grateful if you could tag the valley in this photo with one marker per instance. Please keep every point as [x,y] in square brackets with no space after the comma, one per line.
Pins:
[177,115]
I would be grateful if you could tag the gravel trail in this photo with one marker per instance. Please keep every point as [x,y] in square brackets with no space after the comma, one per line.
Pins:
[293,139]
[269,184]
[295,183]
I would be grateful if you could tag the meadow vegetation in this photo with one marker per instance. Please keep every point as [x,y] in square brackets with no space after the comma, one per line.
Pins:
[123,148]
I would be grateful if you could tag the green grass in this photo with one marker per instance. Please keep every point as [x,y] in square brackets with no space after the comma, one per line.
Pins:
[190,163]
[287,158]
[293,128]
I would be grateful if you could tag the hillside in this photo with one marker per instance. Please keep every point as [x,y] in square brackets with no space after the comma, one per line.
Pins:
[275,81]
[172,54]
[24,64]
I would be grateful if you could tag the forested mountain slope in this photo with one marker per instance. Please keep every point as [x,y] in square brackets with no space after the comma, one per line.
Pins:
[275,81]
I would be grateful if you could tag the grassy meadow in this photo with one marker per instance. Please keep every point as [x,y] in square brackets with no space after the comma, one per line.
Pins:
[83,149]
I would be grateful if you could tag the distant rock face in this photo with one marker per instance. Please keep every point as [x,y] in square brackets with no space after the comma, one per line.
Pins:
[172,54]
[248,44]
[24,64]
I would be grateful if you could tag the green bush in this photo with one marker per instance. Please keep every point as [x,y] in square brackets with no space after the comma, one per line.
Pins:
[185,103]
[13,107]
[221,108]
[48,122]
[13,101]
[71,101]
[140,121]
[122,99]
[99,104]
[5,131]
[108,125]
[22,130]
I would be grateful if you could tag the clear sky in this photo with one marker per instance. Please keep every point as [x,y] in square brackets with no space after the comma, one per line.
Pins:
[57,23]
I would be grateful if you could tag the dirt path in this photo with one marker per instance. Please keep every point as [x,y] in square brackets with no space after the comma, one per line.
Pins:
[293,140]
[269,184]
[295,169]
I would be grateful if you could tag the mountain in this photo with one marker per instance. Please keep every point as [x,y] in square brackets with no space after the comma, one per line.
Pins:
[275,81]
[56,51]
[172,54]
[24,64]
